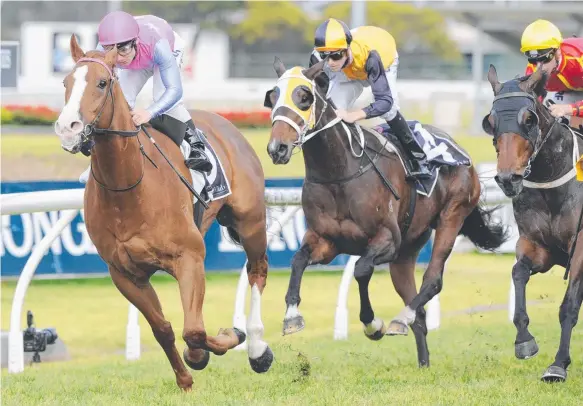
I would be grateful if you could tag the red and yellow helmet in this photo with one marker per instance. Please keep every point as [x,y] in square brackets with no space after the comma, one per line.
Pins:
[332,35]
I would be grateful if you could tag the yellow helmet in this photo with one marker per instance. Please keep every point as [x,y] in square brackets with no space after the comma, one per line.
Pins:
[332,35]
[539,35]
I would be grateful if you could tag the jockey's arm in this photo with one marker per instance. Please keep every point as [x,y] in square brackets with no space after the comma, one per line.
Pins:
[379,86]
[170,75]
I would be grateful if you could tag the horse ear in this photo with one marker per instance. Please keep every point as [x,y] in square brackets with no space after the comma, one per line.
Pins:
[279,67]
[76,51]
[493,79]
[322,81]
[267,102]
[111,57]
[314,71]
[535,80]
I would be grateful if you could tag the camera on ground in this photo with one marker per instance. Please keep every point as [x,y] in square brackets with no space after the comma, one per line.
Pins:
[37,340]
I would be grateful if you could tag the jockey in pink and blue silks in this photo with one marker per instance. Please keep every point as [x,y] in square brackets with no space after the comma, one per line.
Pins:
[148,47]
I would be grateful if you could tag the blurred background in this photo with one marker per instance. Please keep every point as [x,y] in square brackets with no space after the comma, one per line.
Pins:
[445,47]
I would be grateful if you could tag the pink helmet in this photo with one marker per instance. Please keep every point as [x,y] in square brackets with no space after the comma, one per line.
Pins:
[117,27]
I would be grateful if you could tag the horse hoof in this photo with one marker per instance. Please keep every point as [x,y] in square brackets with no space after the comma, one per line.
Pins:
[199,365]
[424,364]
[293,325]
[554,374]
[263,363]
[372,330]
[397,328]
[240,335]
[526,350]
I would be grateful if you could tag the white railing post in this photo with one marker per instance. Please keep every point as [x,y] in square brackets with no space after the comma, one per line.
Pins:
[15,341]
[133,348]
[341,316]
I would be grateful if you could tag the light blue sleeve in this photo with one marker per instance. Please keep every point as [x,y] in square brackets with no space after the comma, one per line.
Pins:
[170,75]
[99,48]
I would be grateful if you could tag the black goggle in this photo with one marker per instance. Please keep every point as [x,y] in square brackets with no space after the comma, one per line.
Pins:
[334,55]
[535,57]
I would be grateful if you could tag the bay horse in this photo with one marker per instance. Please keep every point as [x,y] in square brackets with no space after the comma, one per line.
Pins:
[349,210]
[140,216]
[536,156]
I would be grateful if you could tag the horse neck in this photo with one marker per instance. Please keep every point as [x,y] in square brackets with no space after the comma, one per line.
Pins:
[328,155]
[116,160]
[555,157]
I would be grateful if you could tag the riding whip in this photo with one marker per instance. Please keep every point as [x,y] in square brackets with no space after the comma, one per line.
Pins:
[188,185]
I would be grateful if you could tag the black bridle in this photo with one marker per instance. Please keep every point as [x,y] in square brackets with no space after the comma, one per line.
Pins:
[533,134]
[90,129]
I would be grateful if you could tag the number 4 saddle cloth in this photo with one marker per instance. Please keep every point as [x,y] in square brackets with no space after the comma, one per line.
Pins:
[441,151]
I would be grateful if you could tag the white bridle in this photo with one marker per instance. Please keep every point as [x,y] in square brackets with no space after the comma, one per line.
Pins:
[303,132]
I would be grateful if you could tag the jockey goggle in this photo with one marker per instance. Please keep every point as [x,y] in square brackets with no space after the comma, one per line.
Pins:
[334,55]
[123,49]
[540,56]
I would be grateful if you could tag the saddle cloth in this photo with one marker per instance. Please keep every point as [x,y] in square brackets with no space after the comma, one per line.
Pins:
[213,186]
[440,151]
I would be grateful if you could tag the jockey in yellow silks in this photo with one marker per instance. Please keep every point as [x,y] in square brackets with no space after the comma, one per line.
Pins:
[362,57]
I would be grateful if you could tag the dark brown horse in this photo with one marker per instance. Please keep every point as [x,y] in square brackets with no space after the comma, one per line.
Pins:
[349,209]
[536,155]
[140,216]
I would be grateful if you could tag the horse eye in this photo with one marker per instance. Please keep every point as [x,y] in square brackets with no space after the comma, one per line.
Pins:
[102,83]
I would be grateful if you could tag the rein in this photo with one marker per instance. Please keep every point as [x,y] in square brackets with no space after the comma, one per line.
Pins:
[310,129]
[91,129]
[537,145]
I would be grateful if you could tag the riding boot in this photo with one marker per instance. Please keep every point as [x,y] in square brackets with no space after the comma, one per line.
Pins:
[417,165]
[198,159]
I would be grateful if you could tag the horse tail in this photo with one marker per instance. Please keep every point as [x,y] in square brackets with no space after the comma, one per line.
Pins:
[235,237]
[483,231]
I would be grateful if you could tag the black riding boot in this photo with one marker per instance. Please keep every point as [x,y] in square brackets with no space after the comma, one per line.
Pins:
[416,154]
[198,159]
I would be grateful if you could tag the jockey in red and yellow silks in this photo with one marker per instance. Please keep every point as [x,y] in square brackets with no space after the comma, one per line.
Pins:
[562,59]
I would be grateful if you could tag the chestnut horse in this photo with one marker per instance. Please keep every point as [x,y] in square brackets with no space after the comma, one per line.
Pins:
[140,216]
[349,209]
[536,156]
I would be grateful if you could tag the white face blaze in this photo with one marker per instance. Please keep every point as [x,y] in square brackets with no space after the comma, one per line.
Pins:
[69,125]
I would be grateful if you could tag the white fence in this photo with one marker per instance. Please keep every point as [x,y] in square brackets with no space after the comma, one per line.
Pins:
[70,201]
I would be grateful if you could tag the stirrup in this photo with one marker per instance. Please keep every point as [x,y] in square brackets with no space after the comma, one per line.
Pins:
[198,161]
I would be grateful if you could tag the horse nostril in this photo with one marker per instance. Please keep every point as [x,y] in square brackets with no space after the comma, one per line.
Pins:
[282,149]
[76,126]
[516,178]
[497,179]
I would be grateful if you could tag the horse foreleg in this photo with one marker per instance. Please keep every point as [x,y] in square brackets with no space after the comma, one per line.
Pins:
[531,259]
[314,250]
[381,249]
[189,271]
[145,299]
[254,240]
[568,316]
